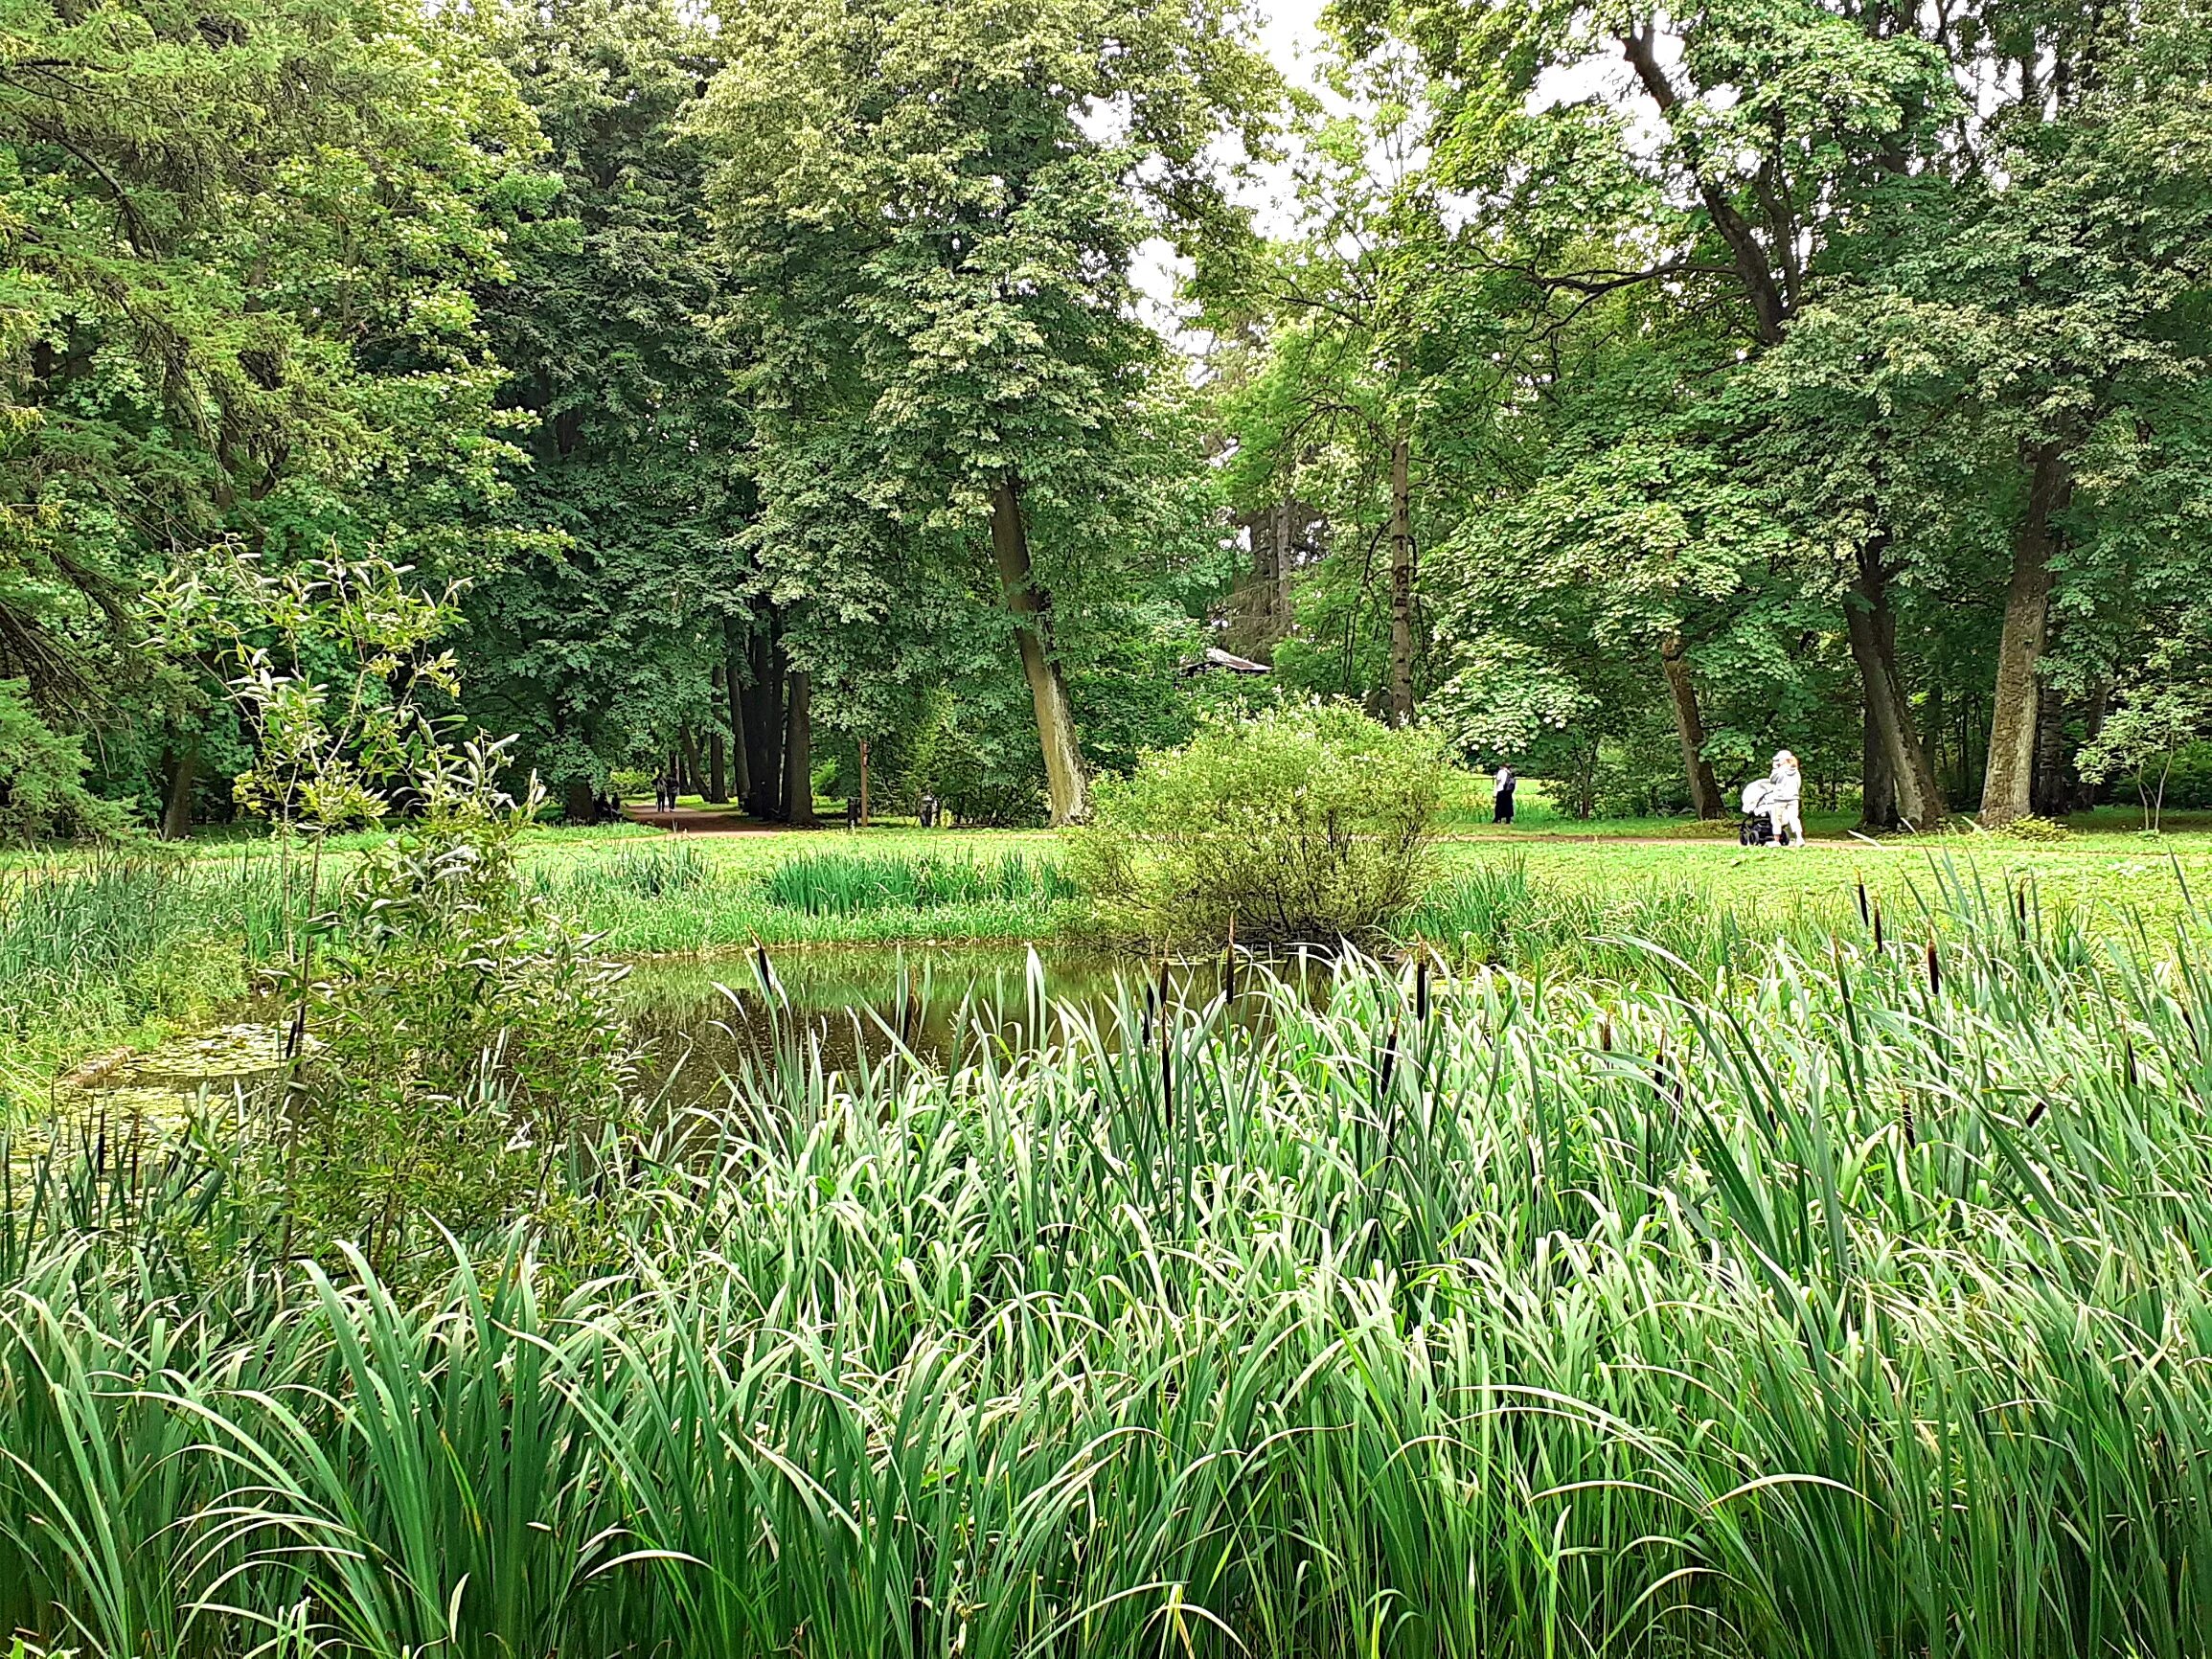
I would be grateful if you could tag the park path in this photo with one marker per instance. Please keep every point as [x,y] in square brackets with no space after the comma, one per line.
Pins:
[703,820]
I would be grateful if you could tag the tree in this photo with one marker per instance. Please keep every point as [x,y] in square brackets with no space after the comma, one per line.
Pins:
[239,243]
[600,640]
[935,206]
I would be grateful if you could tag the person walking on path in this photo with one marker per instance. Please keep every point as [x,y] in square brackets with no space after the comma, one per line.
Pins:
[1785,789]
[1501,804]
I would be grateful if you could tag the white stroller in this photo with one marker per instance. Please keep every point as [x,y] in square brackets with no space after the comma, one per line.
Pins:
[1757,829]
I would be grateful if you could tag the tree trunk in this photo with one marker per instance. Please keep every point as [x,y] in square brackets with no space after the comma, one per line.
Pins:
[2008,785]
[798,753]
[718,761]
[579,801]
[733,682]
[1065,784]
[1401,574]
[1277,575]
[177,802]
[1877,782]
[863,783]
[1690,728]
[1910,790]
[764,722]
[2053,789]
[694,777]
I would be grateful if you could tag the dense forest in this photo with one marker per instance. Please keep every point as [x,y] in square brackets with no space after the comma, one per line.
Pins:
[1623,392]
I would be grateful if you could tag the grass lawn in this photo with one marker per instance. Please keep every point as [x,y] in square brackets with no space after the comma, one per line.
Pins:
[126,956]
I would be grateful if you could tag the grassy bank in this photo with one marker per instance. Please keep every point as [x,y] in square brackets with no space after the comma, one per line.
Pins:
[102,951]
[1855,1307]
[108,948]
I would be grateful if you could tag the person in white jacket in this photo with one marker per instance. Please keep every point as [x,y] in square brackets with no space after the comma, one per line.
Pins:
[1785,788]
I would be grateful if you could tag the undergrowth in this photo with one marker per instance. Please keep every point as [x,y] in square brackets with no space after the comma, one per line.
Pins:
[1851,1304]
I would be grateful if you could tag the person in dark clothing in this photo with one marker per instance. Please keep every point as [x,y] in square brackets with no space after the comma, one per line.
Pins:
[852,812]
[927,812]
[1502,803]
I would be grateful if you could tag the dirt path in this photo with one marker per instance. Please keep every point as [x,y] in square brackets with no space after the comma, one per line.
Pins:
[706,821]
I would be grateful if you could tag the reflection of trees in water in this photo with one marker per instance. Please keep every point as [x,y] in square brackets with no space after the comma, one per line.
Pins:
[700,1022]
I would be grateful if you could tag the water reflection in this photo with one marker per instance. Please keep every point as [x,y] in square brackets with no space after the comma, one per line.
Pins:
[698,1022]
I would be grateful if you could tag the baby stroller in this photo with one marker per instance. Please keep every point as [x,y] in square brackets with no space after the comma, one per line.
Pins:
[1757,829]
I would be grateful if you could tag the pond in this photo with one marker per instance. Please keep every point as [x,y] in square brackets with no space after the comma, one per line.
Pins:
[698,1021]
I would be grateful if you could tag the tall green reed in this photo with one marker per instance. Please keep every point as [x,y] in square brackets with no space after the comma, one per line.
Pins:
[850,884]
[95,944]
[1852,1301]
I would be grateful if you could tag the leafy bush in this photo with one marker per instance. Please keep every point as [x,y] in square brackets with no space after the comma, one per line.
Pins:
[854,884]
[455,1041]
[1298,825]
[2036,831]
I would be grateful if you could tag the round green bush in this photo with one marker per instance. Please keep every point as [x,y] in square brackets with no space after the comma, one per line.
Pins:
[1303,825]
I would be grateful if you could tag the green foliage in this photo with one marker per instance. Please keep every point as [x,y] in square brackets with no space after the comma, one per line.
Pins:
[238,249]
[659,868]
[1300,825]
[42,793]
[1233,1325]
[2032,829]
[859,883]
[453,1043]
[94,946]
[1500,915]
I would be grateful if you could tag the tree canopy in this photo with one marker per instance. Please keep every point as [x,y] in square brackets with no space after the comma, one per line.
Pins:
[1622,392]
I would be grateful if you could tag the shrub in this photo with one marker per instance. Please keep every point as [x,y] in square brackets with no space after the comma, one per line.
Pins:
[456,1041]
[2033,830]
[1298,825]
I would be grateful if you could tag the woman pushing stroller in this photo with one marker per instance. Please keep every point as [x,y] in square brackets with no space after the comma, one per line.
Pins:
[1785,790]
[1770,806]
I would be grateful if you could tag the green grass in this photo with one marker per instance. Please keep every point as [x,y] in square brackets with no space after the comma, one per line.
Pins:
[102,949]
[840,884]
[1853,1305]
[704,895]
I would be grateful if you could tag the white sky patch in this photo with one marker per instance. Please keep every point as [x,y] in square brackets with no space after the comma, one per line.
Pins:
[1290,34]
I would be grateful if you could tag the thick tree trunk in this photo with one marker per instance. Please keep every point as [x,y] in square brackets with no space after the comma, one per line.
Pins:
[694,777]
[2053,791]
[579,801]
[734,687]
[1066,785]
[1401,574]
[2008,785]
[1877,782]
[1690,728]
[764,722]
[798,753]
[718,760]
[1909,793]
[177,802]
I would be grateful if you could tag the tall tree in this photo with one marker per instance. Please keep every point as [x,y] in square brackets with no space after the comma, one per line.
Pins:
[937,204]
[239,243]
[599,642]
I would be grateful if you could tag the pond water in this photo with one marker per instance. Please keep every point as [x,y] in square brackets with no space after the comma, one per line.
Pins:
[698,1021]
